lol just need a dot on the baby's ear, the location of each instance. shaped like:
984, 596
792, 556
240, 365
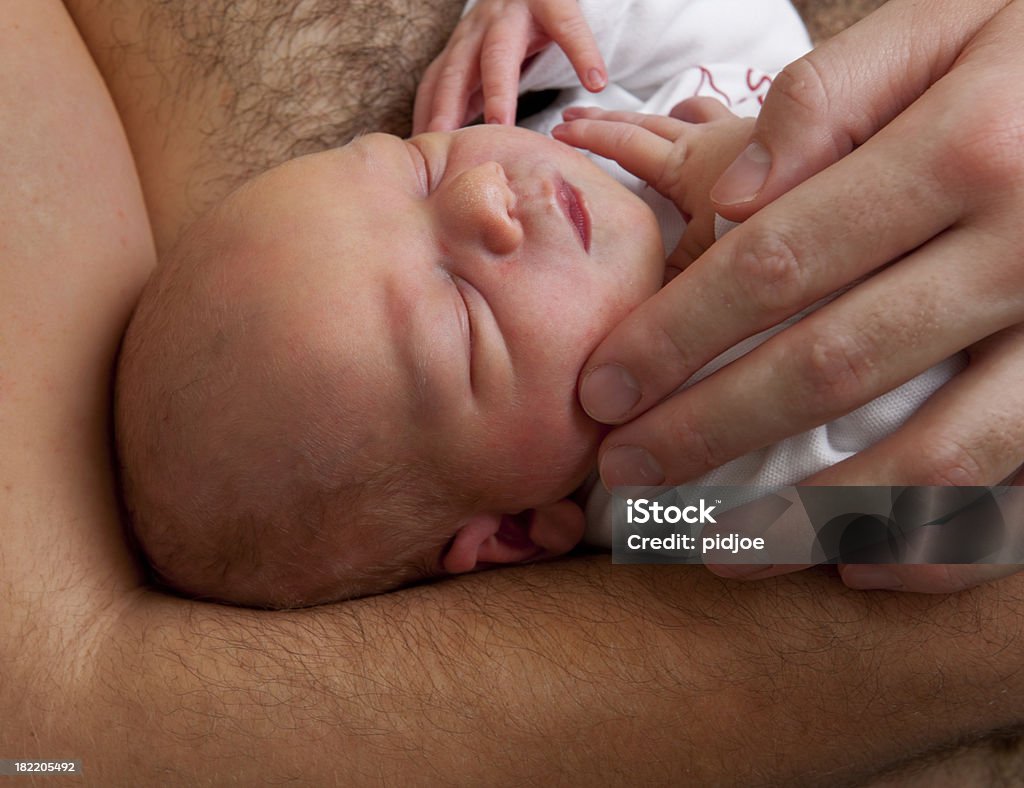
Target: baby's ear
535, 534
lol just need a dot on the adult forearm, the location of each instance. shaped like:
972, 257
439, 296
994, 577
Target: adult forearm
569, 671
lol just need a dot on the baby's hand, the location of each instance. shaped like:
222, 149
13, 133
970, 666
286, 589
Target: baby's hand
681, 159
479, 68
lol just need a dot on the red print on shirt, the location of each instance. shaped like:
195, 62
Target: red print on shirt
758, 84
764, 82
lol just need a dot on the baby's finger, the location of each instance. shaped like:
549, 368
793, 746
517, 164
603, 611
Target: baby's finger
458, 75
636, 149
423, 106
700, 109
563, 21
663, 126
501, 58
474, 107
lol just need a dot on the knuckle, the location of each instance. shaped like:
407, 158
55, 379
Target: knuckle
450, 85
770, 272
499, 53
987, 150
949, 461
617, 136
569, 23
451, 72
673, 350
697, 109
801, 88
692, 450
836, 369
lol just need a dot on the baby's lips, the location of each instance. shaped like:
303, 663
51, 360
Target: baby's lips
574, 206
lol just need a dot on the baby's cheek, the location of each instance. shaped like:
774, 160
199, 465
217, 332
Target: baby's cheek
553, 434
621, 298
560, 459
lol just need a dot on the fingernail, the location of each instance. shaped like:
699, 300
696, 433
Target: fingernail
866, 578
596, 79
608, 392
630, 465
745, 178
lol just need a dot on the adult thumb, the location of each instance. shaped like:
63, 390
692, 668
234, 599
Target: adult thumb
828, 102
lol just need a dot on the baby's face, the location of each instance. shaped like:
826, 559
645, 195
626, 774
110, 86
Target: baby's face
455, 283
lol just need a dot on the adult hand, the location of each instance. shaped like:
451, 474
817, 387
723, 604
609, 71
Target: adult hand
913, 173
479, 68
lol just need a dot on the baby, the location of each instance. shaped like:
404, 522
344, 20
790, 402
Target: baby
360, 369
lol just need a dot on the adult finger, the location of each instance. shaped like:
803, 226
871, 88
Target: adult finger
968, 434
563, 21
815, 113
820, 368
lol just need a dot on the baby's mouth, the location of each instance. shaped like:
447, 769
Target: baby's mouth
575, 209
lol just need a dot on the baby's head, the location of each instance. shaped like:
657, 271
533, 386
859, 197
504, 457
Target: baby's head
360, 369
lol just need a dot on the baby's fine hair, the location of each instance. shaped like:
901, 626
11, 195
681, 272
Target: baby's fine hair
240, 478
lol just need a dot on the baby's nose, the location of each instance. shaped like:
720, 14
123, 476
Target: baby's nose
483, 205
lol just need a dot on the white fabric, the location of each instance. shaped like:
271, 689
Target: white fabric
659, 52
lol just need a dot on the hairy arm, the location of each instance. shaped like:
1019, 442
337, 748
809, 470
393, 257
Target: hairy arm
573, 672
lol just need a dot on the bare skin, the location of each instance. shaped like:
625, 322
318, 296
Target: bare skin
575, 673
213, 93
